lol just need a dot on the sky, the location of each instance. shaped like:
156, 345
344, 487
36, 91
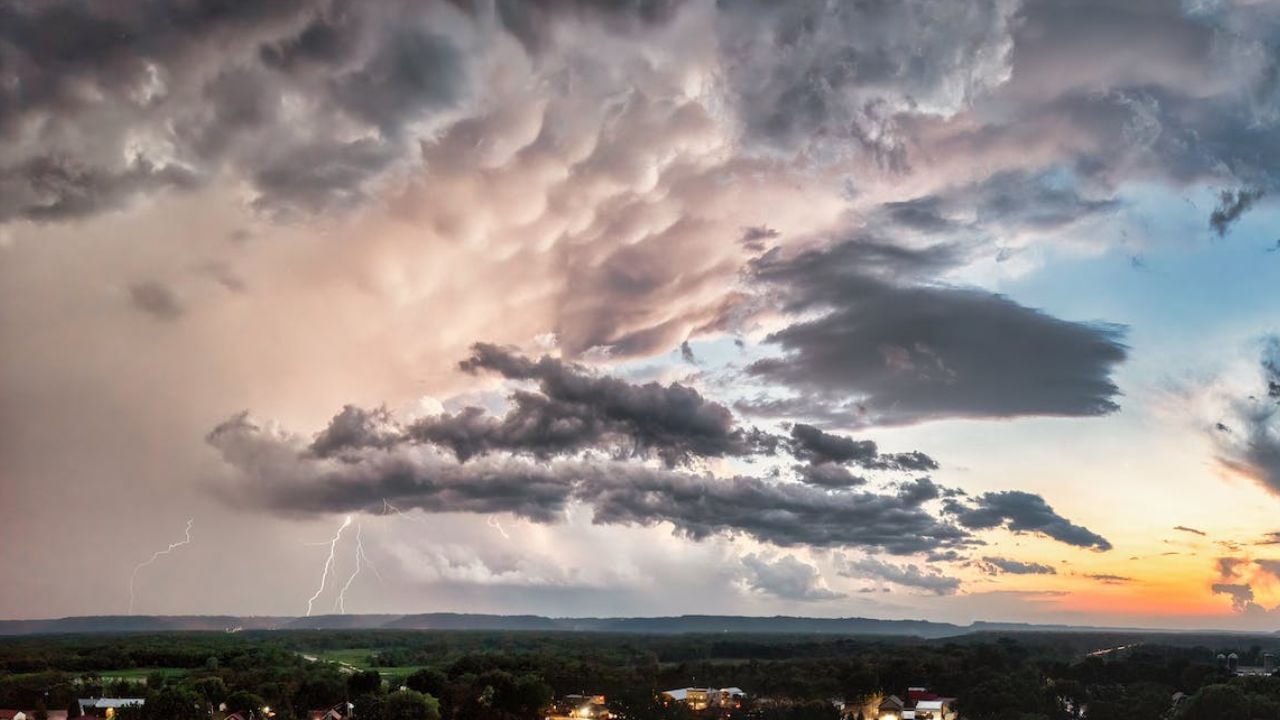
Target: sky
912, 309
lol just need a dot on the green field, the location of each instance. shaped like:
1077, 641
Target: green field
358, 658
355, 657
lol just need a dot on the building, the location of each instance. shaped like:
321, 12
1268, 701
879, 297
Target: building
580, 707
890, 708
730, 698
920, 704
333, 713
107, 707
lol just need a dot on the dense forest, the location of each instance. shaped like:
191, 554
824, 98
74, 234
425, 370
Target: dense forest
401, 675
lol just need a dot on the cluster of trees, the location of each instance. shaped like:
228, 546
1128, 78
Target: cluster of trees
514, 676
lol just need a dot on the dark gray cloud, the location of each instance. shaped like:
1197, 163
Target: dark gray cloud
1023, 512
573, 410
785, 514
354, 428
1241, 595
787, 578
1010, 199
577, 409
156, 299
894, 347
1185, 529
472, 462
818, 446
1232, 205
828, 475
686, 353
282, 474
905, 575
997, 565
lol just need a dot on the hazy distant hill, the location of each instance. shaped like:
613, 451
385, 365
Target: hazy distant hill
463, 621
139, 623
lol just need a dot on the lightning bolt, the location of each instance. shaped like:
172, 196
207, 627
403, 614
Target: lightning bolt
133, 578
361, 560
328, 563
493, 523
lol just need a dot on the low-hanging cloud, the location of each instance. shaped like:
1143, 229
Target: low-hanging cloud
786, 577
905, 575
997, 565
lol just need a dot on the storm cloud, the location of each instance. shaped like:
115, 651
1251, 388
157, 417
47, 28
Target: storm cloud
1023, 512
817, 446
278, 472
174, 95
364, 459
893, 346
577, 409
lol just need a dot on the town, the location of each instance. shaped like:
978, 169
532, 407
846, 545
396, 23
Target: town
479, 675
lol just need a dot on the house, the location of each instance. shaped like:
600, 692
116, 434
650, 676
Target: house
919, 705
333, 713
890, 708
107, 707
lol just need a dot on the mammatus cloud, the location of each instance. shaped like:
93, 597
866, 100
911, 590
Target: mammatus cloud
997, 565
909, 575
787, 578
1248, 440
311, 103
1023, 512
811, 74
891, 345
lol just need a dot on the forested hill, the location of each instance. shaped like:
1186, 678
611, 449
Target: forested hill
462, 621
465, 621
